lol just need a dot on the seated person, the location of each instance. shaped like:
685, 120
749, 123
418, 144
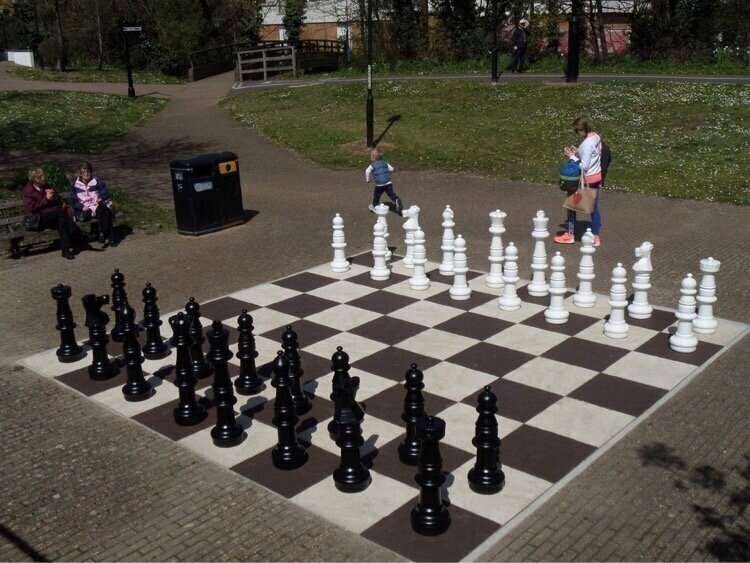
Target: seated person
89, 197
39, 199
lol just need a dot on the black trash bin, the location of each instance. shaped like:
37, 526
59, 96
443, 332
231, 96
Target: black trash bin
207, 193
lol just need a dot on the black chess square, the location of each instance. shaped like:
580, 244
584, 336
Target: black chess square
575, 323
473, 325
393, 363
659, 346
303, 305
618, 394
225, 308
476, 299
488, 358
382, 302
306, 281
517, 401
585, 354
388, 330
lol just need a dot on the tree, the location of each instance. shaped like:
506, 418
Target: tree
60, 39
294, 18
404, 30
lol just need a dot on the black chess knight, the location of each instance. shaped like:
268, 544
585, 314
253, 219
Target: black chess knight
227, 432
201, 368
350, 476
101, 367
155, 347
248, 382
69, 350
487, 477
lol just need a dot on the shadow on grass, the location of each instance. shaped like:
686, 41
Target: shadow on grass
391, 120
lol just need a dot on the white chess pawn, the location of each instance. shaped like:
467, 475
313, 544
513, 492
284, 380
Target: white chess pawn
419, 279
683, 340
447, 246
509, 300
494, 278
538, 285
340, 264
585, 296
410, 226
640, 307
460, 290
704, 322
380, 271
381, 210
556, 313
616, 327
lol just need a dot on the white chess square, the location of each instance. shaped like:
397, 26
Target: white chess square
399, 268
426, 313
437, 343
637, 336
47, 364
259, 438
598, 311
357, 347
325, 270
266, 319
152, 366
114, 399
726, 331
460, 420
266, 349
550, 375
342, 291
455, 382
527, 339
343, 317
264, 295
581, 421
650, 370
369, 384
492, 309
478, 284
403, 288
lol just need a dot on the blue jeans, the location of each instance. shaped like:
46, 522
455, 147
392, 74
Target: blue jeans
387, 188
596, 216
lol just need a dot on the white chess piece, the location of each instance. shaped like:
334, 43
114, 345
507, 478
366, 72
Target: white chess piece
494, 279
380, 271
585, 296
556, 313
616, 326
381, 210
683, 340
509, 300
704, 322
640, 307
340, 264
446, 266
460, 290
419, 279
410, 226
538, 285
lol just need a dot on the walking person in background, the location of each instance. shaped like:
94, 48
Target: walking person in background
519, 40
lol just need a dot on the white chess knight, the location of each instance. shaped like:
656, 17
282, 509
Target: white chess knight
616, 326
538, 285
410, 226
640, 307
683, 340
340, 264
585, 296
380, 271
556, 313
704, 322
494, 279
419, 279
460, 290
509, 300
381, 210
447, 244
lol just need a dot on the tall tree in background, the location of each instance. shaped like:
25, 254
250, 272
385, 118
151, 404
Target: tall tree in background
294, 18
404, 38
100, 42
250, 20
60, 39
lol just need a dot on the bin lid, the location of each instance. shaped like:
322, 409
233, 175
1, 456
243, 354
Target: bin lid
203, 160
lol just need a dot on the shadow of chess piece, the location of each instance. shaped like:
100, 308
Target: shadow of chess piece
119, 298
155, 347
408, 449
101, 367
201, 368
188, 410
340, 367
69, 350
290, 345
487, 477
227, 432
288, 452
137, 388
350, 476
248, 382
430, 517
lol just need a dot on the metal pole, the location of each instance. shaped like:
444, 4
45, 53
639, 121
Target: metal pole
131, 89
495, 74
370, 110
574, 43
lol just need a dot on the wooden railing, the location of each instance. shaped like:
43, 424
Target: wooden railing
254, 63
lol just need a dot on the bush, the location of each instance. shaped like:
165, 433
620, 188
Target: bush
18, 178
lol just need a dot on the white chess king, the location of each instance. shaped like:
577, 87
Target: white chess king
538, 285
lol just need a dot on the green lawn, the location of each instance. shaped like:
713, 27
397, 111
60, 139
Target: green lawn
72, 122
94, 75
675, 140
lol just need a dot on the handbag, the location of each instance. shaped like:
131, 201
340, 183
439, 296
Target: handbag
31, 222
583, 199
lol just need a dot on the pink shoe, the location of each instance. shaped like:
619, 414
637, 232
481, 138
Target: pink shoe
597, 240
565, 238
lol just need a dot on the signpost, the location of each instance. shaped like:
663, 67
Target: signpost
494, 39
370, 110
126, 31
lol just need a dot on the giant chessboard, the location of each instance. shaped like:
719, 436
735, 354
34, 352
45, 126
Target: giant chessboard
565, 391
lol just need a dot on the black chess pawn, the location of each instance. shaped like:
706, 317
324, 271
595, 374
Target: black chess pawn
119, 298
227, 432
188, 410
155, 348
248, 382
350, 476
201, 368
408, 449
137, 388
430, 517
340, 366
288, 452
487, 477
69, 350
101, 367
290, 345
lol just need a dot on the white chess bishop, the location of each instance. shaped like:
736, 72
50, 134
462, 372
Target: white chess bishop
585, 296
419, 279
704, 322
509, 300
410, 227
340, 264
640, 307
616, 326
381, 210
460, 290
683, 340
494, 279
380, 270
538, 285
447, 244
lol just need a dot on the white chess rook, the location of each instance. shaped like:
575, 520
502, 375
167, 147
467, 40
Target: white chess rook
585, 296
616, 326
683, 340
640, 307
704, 322
538, 286
494, 279
380, 271
447, 247
410, 226
556, 313
340, 264
460, 290
381, 210
419, 279
509, 300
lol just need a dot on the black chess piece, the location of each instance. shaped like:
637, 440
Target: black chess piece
137, 388
288, 452
201, 368
248, 382
408, 449
430, 517
119, 298
101, 367
155, 348
188, 411
340, 366
227, 432
69, 350
487, 477
290, 345
350, 476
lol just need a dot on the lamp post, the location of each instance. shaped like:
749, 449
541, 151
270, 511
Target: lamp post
126, 31
370, 126
495, 74
574, 43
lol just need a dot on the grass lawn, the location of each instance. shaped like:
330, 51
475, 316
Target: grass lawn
674, 140
94, 75
74, 122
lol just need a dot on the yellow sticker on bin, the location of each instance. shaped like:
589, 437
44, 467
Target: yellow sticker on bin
228, 167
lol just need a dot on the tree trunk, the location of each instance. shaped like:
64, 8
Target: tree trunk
601, 30
594, 31
100, 63
60, 39
424, 17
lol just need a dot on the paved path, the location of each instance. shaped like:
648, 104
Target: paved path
295, 200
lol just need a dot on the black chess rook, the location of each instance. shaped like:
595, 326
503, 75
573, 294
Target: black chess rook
155, 347
341, 377
188, 410
290, 345
227, 432
350, 476
288, 452
430, 517
119, 298
101, 367
136, 388
69, 350
201, 368
408, 449
248, 382
487, 477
